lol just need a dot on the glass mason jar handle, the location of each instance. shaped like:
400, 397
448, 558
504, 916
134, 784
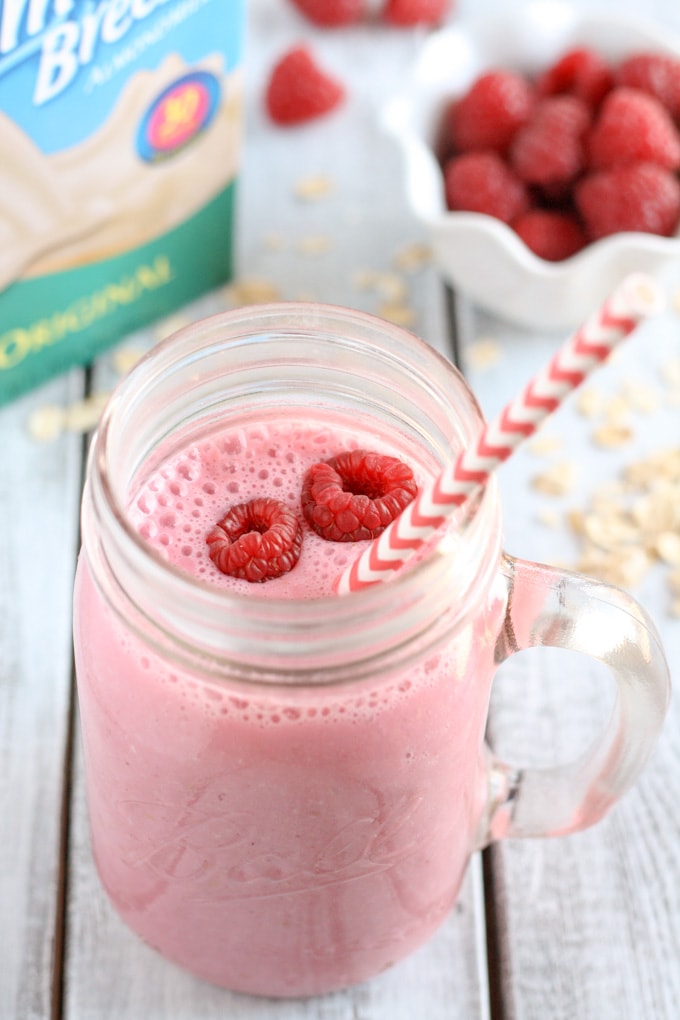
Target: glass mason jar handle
551, 607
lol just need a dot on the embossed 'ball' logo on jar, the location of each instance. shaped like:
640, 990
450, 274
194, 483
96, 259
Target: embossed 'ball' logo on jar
178, 116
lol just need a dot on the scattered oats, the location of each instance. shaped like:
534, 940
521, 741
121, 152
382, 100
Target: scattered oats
576, 519
612, 489
400, 315
640, 397
392, 288
311, 189
251, 291
589, 402
544, 444
670, 372
556, 480
659, 510
125, 358
615, 408
365, 279
314, 244
612, 435
608, 532
412, 257
664, 464
633, 523
305, 295
596, 563
675, 608
639, 474
606, 500
46, 423
169, 325
667, 546
625, 568
631, 565
483, 353
83, 415
274, 241
548, 517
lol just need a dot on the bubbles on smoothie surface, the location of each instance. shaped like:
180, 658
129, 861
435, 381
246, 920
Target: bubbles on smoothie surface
178, 505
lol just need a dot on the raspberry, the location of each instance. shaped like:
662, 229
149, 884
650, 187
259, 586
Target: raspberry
550, 149
415, 12
638, 196
655, 73
550, 235
300, 90
482, 182
355, 495
256, 541
581, 72
491, 112
331, 13
633, 127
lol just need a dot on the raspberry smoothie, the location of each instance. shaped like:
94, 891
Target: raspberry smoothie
278, 840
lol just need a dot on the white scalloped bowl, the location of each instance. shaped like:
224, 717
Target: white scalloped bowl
481, 256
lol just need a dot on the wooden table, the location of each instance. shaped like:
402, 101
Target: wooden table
583, 927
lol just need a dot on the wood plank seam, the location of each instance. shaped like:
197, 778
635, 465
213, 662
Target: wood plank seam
60, 941
492, 920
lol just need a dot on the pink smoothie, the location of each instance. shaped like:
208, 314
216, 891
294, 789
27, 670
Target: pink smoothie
287, 841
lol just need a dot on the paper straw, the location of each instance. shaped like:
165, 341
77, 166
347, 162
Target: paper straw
637, 297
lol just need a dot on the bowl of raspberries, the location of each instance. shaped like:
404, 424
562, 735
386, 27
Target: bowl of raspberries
542, 153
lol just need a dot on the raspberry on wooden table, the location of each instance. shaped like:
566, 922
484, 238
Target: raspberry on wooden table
256, 541
655, 73
482, 182
580, 72
550, 148
300, 90
415, 12
331, 13
631, 127
638, 196
356, 495
491, 112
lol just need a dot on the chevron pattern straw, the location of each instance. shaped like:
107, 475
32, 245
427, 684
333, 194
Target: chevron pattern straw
635, 299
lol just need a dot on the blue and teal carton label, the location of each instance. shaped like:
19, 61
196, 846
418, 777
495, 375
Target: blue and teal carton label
120, 134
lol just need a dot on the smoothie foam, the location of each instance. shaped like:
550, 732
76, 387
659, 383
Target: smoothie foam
179, 504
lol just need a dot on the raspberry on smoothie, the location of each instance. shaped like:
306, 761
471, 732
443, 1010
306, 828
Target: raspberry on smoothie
274, 502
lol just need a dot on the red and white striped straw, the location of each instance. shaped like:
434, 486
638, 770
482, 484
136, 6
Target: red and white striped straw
637, 297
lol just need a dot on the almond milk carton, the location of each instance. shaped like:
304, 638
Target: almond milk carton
120, 128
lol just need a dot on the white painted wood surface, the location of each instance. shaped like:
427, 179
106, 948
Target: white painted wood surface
586, 926
39, 497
